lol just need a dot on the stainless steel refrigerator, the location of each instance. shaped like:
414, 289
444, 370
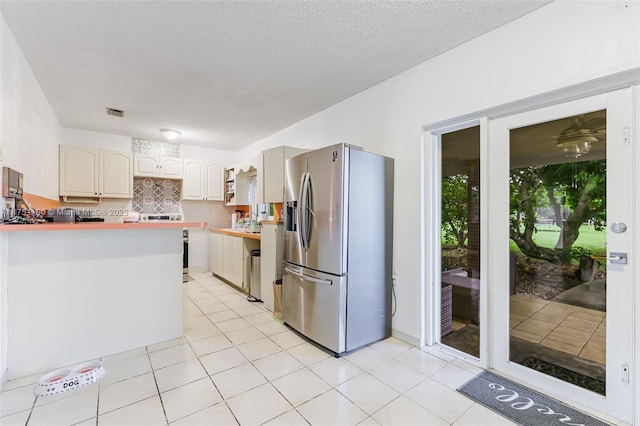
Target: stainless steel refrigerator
338, 209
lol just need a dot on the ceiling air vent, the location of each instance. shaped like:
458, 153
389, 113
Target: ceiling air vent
115, 112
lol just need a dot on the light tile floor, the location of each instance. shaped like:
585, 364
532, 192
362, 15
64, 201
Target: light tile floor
236, 365
571, 329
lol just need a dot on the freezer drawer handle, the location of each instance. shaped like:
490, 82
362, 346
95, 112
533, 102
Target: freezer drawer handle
307, 277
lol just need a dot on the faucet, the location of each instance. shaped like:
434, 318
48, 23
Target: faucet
251, 222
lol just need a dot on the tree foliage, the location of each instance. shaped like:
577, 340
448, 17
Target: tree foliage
455, 209
574, 191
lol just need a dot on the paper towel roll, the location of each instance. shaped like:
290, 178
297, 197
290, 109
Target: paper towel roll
234, 219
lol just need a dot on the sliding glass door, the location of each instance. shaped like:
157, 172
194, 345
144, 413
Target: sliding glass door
561, 207
459, 236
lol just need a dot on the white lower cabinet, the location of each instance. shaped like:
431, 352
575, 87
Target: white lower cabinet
220, 248
229, 258
237, 261
216, 253
271, 246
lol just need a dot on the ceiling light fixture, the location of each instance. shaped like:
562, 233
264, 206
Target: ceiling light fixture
170, 134
576, 140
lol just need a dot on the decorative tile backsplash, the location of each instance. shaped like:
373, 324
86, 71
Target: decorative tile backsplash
166, 149
155, 195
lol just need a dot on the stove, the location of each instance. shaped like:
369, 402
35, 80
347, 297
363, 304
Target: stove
165, 217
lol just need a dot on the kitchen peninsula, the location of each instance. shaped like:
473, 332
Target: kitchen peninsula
80, 291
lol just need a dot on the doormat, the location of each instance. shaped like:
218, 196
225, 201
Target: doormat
522, 405
570, 376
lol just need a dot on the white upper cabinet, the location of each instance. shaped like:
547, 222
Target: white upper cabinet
157, 166
171, 167
78, 171
92, 172
202, 181
115, 174
213, 181
146, 165
273, 161
193, 182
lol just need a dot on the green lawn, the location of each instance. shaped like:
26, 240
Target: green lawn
547, 236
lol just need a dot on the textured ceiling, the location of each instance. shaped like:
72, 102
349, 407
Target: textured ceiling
229, 73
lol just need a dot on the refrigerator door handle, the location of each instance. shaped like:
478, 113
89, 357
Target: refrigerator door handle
307, 277
302, 212
309, 214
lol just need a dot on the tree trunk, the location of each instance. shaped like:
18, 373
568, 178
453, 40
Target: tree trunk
531, 249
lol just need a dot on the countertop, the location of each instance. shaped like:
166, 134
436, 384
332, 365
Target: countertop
86, 226
236, 233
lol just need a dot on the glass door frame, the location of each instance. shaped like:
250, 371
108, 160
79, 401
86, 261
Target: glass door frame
429, 172
432, 237
619, 399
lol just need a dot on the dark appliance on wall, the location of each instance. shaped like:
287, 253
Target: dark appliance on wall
337, 246
12, 183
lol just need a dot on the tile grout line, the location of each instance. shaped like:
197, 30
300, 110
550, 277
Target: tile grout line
307, 367
202, 365
98, 401
33, 406
304, 367
590, 336
253, 365
155, 380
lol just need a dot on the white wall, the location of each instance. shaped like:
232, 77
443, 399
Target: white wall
561, 44
199, 153
29, 138
217, 215
29, 131
91, 139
